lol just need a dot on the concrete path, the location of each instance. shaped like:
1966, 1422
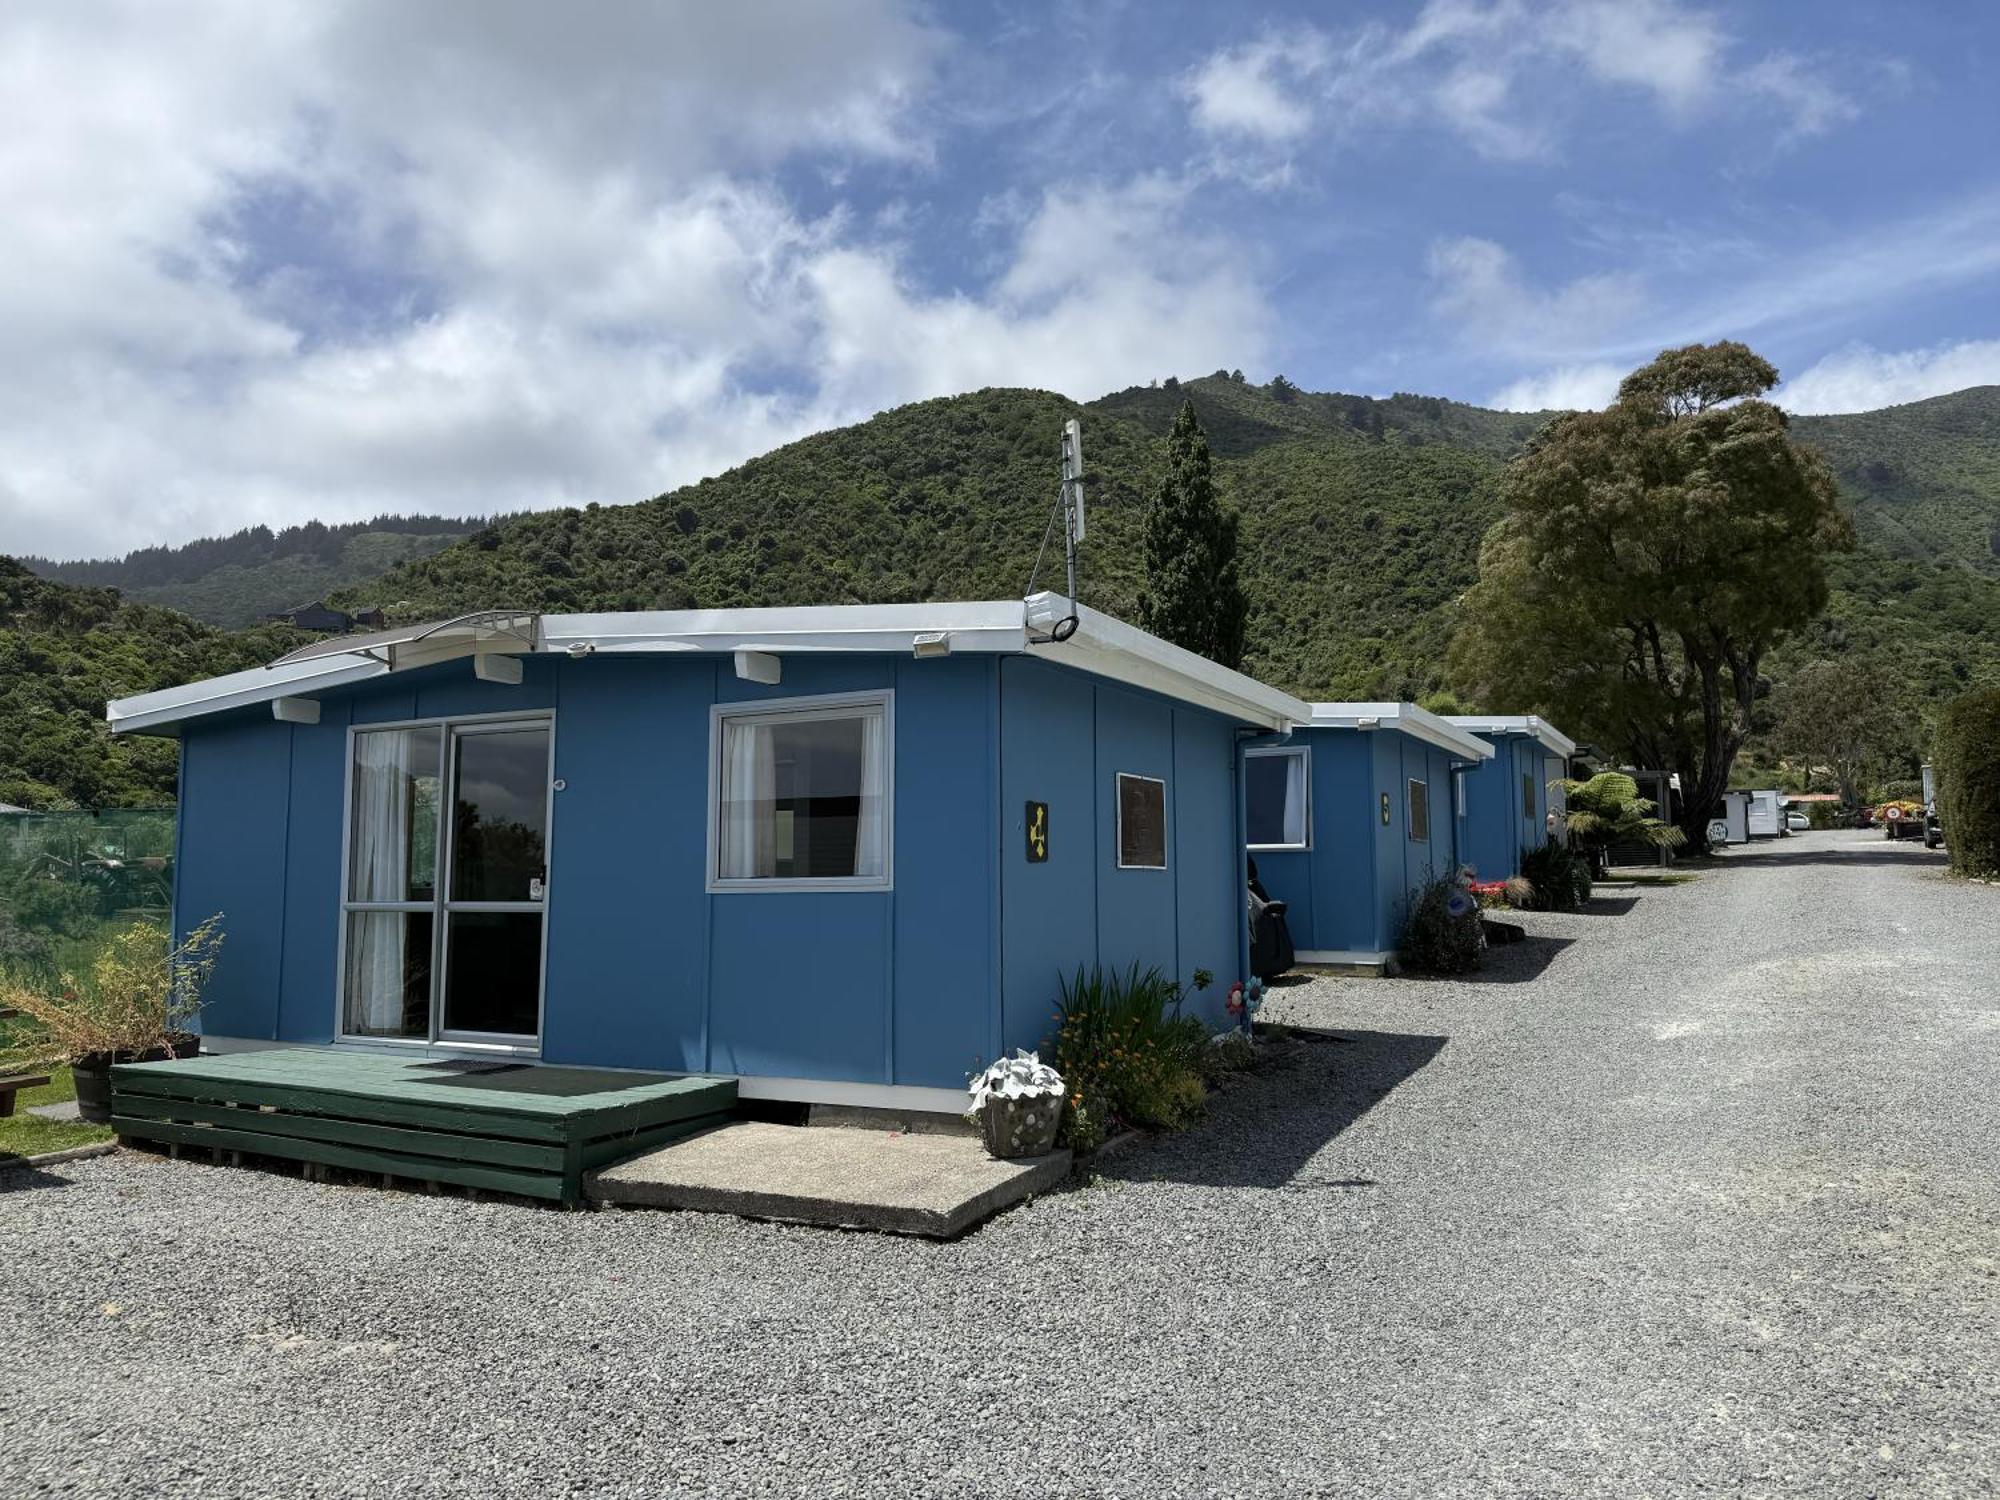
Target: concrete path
1695, 1194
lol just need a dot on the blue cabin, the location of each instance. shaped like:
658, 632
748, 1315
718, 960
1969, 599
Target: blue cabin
1349, 815
839, 854
1513, 802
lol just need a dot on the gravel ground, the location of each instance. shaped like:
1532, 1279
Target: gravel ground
1693, 1194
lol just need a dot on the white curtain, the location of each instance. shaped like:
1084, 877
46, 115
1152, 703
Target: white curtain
870, 847
749, 801
1295, 799
384, 760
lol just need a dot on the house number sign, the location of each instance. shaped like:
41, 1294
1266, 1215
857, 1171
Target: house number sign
1038, 833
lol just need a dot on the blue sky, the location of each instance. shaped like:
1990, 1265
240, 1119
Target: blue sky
270, 263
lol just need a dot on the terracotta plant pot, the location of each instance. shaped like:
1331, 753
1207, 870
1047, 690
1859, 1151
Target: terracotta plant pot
1016, 1128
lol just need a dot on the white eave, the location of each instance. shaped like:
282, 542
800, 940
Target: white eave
1532, 725
1406, 718
1101, 645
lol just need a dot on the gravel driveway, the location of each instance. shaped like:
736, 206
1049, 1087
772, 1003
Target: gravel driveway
1696, 1193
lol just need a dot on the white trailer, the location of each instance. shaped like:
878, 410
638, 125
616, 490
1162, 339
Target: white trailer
1734, 816
1766, 819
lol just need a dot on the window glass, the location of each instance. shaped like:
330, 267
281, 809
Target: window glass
388, 987
393, 843
1420, 812
802, 796
501, 809
1275, 798
1528, 795
1142, 823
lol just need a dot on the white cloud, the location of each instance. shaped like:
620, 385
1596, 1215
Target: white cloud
1254, 90
1812, 104
1478, 288
1860, 378
1586, 387
1502, 75
270, 263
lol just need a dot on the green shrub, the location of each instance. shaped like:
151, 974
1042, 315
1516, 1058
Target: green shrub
1126, 1053
1442, 934
1967, 761
1559, 875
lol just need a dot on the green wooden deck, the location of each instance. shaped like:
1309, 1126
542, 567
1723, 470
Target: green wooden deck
509, 1127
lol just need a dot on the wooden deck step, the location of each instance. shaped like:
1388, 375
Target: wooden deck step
524, 1128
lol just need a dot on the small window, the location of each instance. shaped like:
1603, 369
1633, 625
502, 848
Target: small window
1276, 797
1420, 812
1528, 795
801, 795
1142, 823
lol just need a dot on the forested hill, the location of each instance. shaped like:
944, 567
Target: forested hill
239, 579
1361, 528
1361, 525
64, 651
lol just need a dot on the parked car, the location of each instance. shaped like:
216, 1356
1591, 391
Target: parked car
1797, 822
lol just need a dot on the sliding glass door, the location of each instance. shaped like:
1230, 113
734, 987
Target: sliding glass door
446, 882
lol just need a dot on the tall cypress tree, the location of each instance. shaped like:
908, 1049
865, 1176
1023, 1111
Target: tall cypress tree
1192, 596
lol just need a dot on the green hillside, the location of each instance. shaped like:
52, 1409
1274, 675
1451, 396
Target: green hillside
64, 650
238, 580
1361, 527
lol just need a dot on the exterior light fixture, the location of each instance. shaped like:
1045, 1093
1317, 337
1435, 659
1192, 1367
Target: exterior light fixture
931, 643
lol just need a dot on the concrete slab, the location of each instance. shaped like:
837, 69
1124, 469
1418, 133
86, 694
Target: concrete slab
938, 1186
65, 1110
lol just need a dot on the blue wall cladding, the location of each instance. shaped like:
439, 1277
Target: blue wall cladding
1507, 803
916, 985
1349, 893
1064, 739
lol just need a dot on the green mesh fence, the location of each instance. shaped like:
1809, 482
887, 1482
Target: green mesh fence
70, 879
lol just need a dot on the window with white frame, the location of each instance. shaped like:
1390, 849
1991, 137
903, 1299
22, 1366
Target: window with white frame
1142, 822
800, 794
1277, 797
1420, 812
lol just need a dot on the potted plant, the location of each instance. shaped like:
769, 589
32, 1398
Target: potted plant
137, 1004
1019, 1105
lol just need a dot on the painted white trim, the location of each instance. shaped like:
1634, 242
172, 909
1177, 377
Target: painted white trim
1304, 751
1405, 718
816, 706
1341, 956
222, 1046
1531, 725
1111, 648
1118, 807
865, 1095
1100, 644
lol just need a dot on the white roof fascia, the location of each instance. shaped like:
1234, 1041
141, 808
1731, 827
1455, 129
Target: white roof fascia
1108, 647
216, 695
1407, 718
1101, 645
1534, 725
989, 626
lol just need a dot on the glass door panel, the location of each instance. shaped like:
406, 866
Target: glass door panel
501, 797
493, 965
393, 831
498, 874
388, 989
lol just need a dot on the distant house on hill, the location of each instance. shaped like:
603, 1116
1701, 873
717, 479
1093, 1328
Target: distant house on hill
319, 615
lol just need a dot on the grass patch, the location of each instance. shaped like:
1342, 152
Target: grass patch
23, 1134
